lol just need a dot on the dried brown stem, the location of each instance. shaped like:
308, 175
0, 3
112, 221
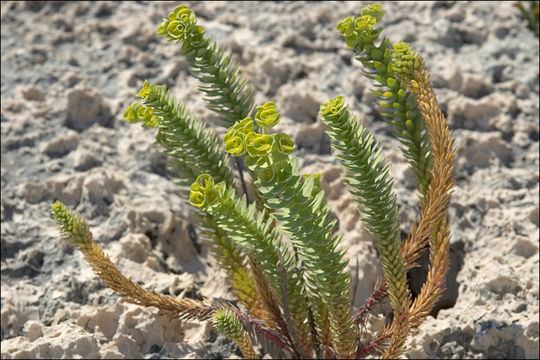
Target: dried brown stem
135, 294
432, 215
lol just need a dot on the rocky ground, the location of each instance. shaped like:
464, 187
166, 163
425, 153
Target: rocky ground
70, 69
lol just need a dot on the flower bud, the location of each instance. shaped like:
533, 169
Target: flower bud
248, 139
234, 145
196, 199
242, 127
374, 10
364, 23
283, 143
263, 143
179, 24
345, 26
203, 183
145, 91
260, 145
332, 107
267, 116
143, 112
211, 196
246, 125
129, 114
137, 113
162, 28
182, 13
177, 30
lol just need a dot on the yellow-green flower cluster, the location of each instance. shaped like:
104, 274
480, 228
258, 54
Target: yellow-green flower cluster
235, 140
179, 25
261, 149
204, 192
148, 88
358, 31
267, 116
137, 113
374, 10
265, 153
332, 107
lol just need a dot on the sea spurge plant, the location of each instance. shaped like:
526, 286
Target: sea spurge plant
291, 281
367, 179
193, 149
258, 237
227, 93
304, 219
397, 104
